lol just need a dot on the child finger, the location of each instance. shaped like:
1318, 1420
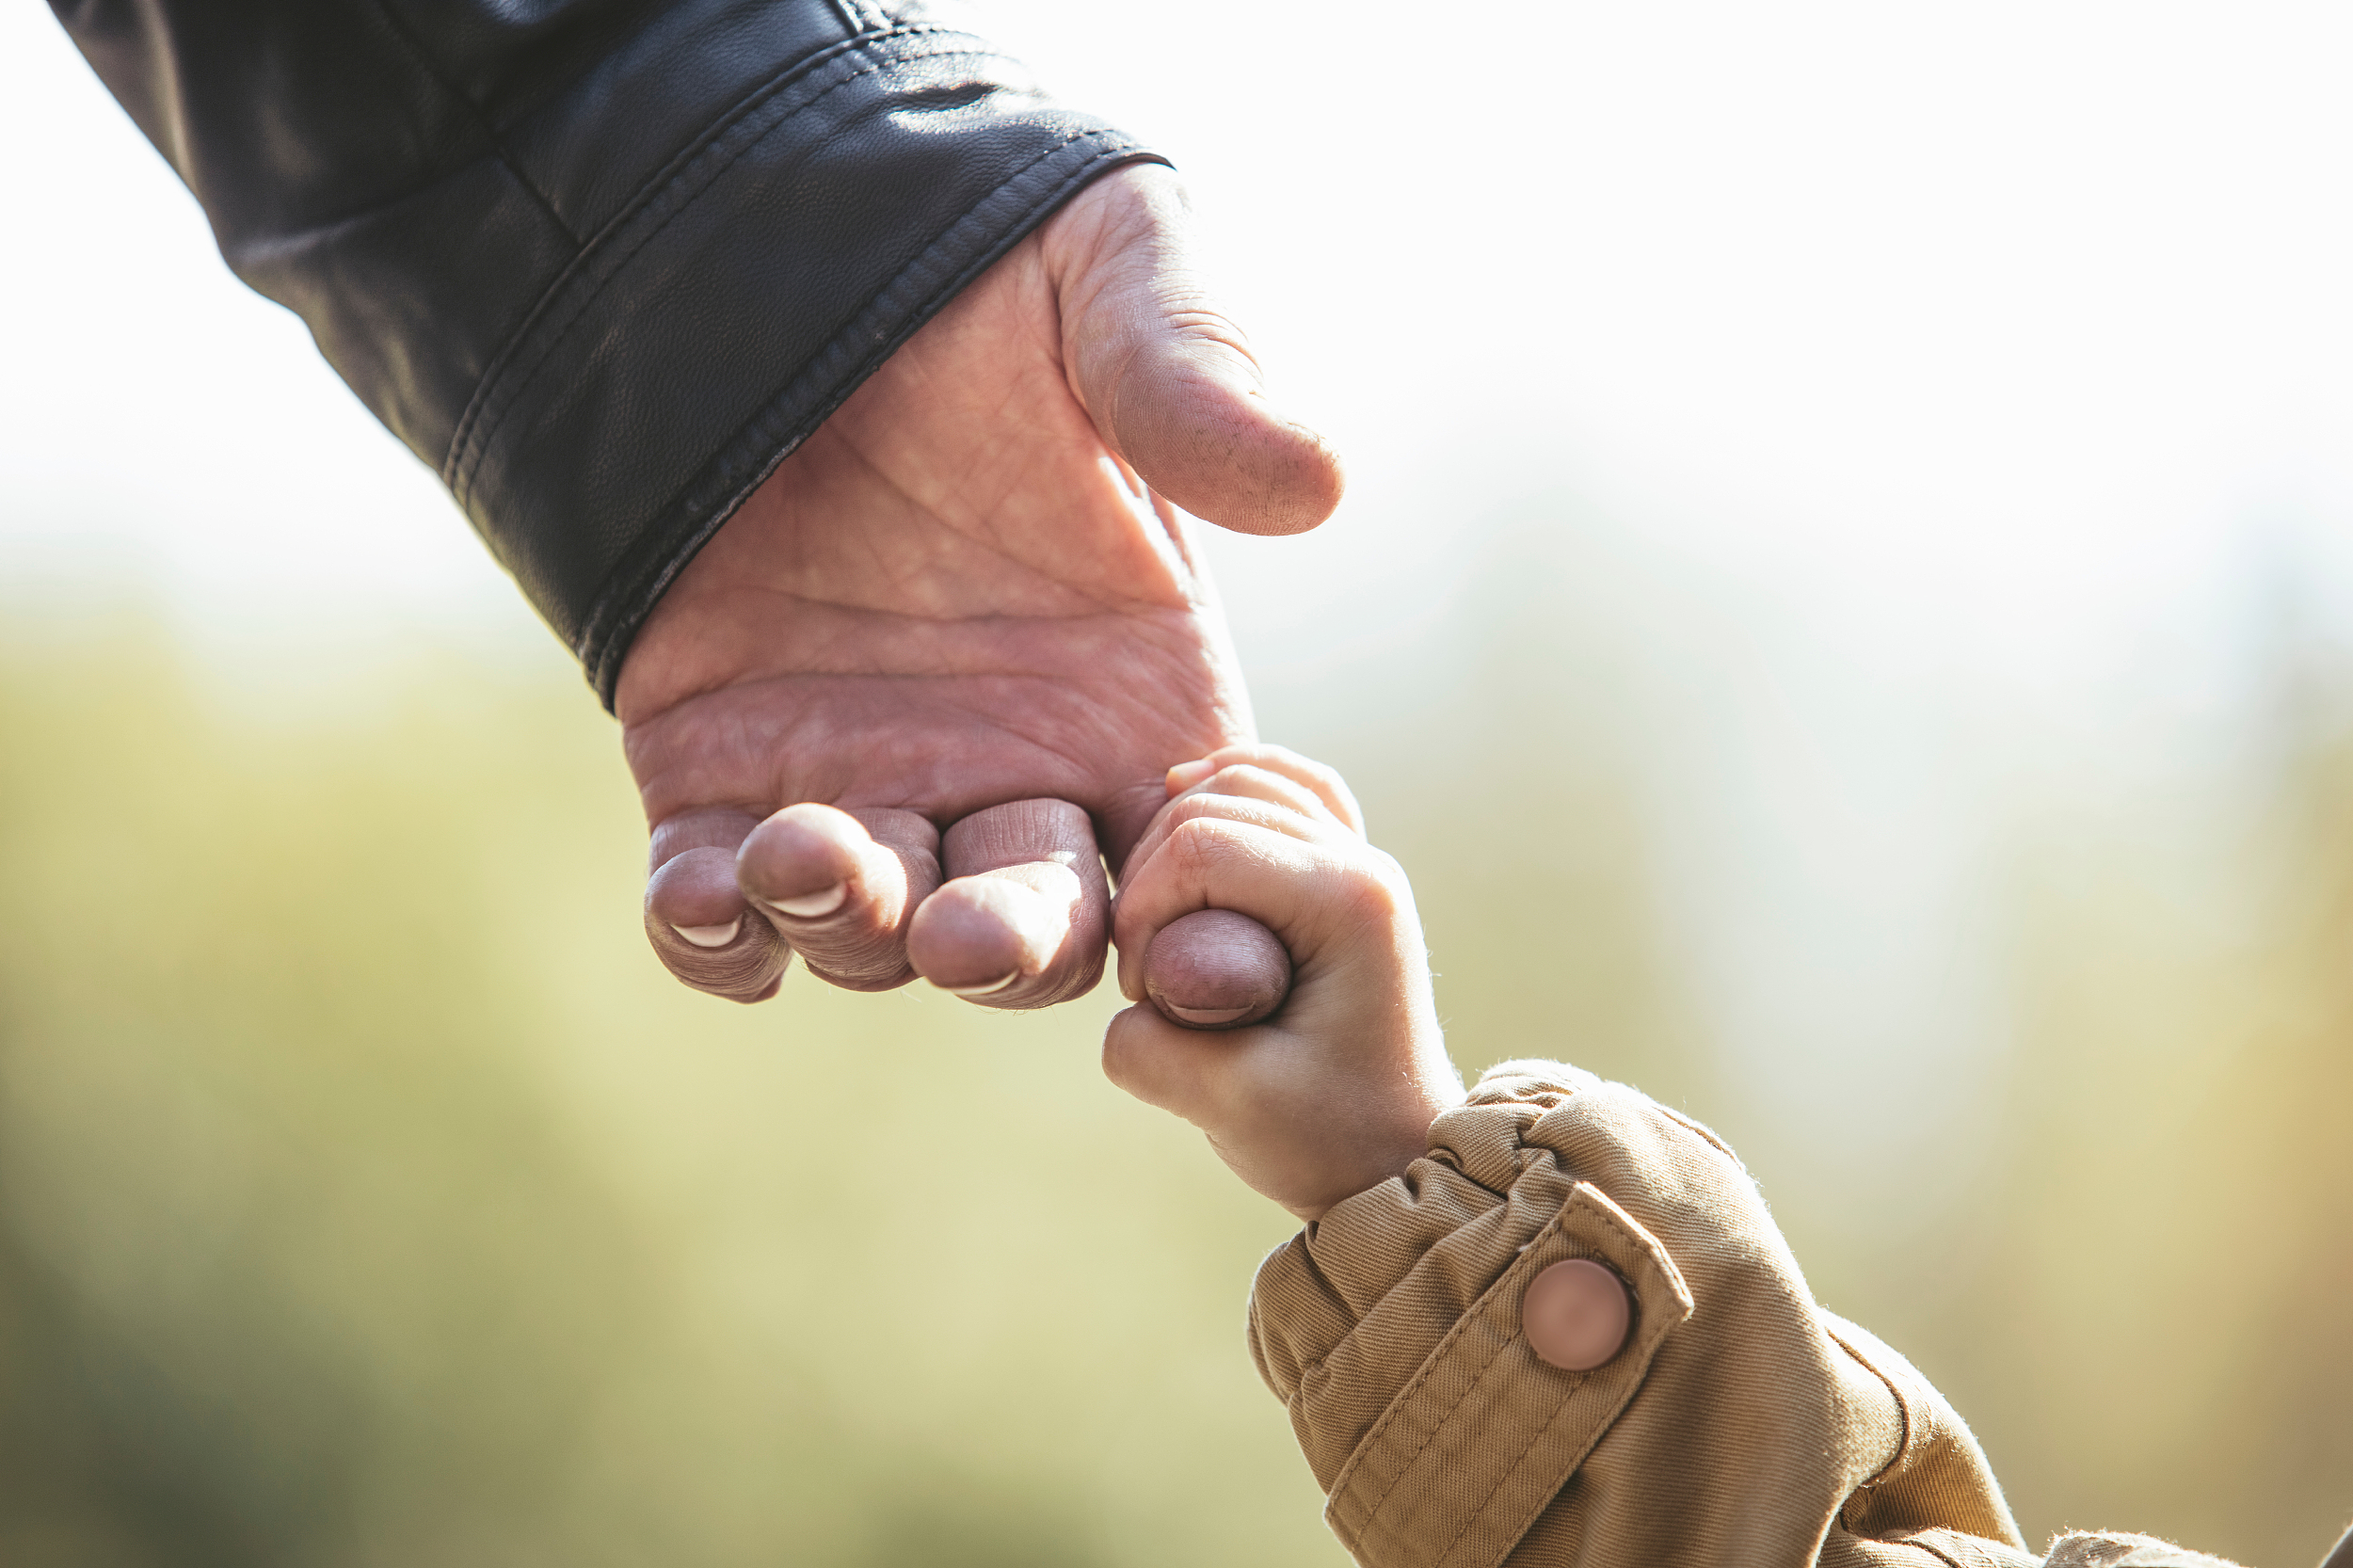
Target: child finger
1184, 808
1254, 782
1328, 787
1175, 1071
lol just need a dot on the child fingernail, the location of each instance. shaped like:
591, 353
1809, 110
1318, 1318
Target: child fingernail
810, 906
711, 936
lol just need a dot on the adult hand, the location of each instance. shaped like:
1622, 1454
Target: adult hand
895, 713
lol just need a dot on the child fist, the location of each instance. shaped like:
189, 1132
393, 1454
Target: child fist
1334, 1092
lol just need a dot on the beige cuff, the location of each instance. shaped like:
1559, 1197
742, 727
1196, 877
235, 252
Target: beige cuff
1736, 1422
1478, 1444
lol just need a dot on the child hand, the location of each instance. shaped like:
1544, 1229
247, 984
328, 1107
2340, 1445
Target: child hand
1334, 1093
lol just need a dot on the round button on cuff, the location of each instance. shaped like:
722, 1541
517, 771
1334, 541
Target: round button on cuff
1576, 1315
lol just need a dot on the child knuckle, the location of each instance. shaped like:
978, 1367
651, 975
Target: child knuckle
1198, 838
1235, 777
1190, 808
1368, 893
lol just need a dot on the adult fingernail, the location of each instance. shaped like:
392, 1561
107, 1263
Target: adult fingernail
810, 906
711, 936
1205, 1017
990, 989
1184, 776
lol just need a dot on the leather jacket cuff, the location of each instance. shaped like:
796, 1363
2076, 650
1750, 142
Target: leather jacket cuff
746, 291
604, 264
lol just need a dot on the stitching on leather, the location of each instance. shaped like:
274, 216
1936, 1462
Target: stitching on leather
519, 379
592, 647
453, 462
652, 583
473, 111
503, 382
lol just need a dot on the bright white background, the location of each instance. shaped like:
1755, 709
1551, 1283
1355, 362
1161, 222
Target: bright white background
1961, 395
164, 428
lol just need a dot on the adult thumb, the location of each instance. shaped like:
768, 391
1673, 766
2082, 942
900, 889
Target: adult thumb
1167, 377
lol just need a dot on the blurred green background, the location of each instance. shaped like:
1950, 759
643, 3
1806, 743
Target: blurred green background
1845, 606
368, 1195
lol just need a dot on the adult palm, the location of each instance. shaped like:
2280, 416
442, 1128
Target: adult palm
894, 712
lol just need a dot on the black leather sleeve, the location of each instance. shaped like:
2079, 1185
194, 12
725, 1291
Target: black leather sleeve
601, 263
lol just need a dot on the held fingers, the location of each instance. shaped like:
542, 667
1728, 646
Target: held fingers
1306, 893
1218, 968
1215, 970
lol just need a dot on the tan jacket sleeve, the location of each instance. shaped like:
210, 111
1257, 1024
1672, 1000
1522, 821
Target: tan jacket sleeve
1740, 1423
